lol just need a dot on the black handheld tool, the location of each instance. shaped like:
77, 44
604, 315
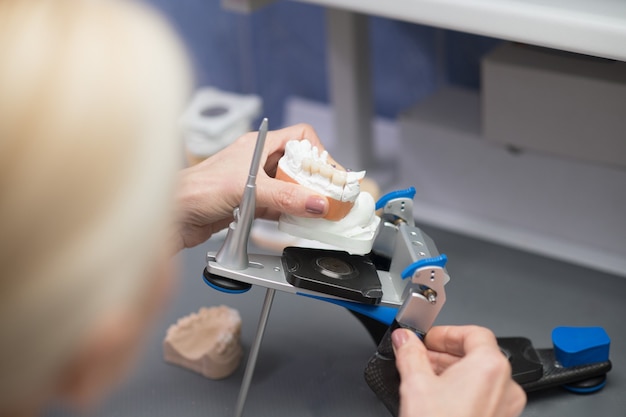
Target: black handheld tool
425, 299
382, 375
578, 360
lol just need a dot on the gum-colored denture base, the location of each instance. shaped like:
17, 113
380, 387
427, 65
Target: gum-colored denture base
337, 209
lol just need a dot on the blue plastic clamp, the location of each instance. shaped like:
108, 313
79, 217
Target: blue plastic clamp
580, 345
408, 193
438, 261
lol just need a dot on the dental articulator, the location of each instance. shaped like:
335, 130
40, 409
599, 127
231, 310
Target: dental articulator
388, 273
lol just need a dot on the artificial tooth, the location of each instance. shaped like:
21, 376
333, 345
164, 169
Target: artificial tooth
354, 176
315, 167
339, 178
326, 171
306, 164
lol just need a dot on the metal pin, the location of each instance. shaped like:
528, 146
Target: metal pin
431, 295
254, 352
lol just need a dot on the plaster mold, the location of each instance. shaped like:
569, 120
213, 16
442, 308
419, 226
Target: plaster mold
306, 165
206, 342
351, 223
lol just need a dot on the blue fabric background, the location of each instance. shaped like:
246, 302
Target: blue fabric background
280, 51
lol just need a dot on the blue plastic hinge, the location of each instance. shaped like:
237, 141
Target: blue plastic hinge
382, 314
408, 193
438, 261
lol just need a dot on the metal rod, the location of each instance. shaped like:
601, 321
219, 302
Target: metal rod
234, 251
258, 151
254, 352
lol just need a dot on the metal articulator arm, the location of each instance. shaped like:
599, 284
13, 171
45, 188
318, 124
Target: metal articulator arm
423, 299
403, 286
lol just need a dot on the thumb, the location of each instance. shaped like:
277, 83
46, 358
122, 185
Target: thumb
290, 198
411, 354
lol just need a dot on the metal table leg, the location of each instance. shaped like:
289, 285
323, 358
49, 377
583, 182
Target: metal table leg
350, 87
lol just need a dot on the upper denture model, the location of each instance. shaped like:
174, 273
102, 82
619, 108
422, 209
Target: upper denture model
350, 223
304, 164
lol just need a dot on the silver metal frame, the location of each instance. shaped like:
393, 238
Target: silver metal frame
419, 299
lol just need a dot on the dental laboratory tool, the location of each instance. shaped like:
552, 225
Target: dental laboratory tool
386, 271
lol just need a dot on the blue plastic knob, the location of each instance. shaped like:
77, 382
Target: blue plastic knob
580, 345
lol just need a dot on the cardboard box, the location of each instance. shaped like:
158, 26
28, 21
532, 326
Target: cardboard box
556, 102
554, 206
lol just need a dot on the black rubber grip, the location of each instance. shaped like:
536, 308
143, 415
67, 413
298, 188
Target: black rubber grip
381, 374
534, 369
224, 284
554, 375
537, 369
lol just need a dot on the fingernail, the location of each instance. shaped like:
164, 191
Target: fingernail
399, 337
316, 205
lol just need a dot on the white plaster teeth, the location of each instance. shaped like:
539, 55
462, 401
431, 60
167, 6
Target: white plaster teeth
339, 178
315, 166
310, 166
326, 171
354, 176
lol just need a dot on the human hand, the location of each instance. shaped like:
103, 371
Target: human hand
210, 191
459, 371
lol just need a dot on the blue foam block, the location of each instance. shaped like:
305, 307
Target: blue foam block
580, 345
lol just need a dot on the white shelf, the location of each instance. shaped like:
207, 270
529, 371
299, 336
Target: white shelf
592, 27
530, 201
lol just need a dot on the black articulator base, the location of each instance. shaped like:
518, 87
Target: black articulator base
537, 369
337, 273
375, 328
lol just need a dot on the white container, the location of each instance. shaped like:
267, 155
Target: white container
214, 119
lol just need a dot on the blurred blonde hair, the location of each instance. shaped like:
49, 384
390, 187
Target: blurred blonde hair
89, 94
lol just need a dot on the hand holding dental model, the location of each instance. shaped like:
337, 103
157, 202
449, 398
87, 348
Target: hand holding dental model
350, 222
308, 165
211, 190
309, 185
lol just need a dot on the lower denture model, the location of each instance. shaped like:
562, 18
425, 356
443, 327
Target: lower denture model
206, 342
350, 223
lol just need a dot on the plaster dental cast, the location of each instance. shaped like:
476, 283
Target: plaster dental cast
206, 342
350, 222
92, 205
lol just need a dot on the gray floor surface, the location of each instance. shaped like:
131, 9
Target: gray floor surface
313, 354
